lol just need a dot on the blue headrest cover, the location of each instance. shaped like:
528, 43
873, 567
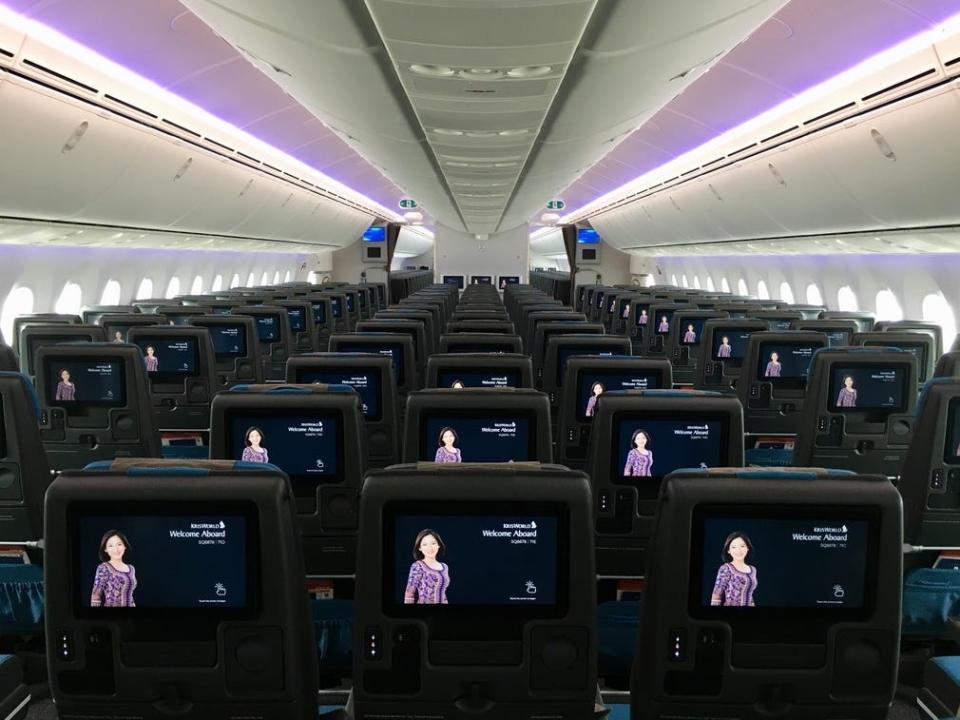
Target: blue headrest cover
289, 389
664, 393
177, 470
768, 473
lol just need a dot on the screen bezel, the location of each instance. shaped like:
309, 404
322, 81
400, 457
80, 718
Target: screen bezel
717, 339
757, 616
303, 318
460, 612
792, 383
48, 363
249, 510
427, 415
297, 482
277, 323
228, 356
871, 412
638, 310
649, 488
170, 375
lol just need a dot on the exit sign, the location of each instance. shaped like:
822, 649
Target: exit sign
556, 205
408, 204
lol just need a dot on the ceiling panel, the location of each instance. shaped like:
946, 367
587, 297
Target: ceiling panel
805, 43
168, 44
481, 76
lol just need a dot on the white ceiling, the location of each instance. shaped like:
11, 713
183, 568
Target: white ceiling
481, 77
482, 109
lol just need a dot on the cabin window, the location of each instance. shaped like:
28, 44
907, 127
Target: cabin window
710, 286
847, 299
235, 282
937, 310
70, 300
217, 284
742, 288
276, 278
648, 281
673, 281
145, 290
724, 285
786, 292
19, 302
312, 277
111, 293
814, 297
696, 281
265, 278
251, 280
684, 282
286, 278
762, 291
173, 288
888, 307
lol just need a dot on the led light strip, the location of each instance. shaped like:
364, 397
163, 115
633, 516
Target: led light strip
127, 78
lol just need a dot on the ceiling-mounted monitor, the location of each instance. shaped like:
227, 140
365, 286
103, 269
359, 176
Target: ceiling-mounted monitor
375, 234
587, 236
373, 245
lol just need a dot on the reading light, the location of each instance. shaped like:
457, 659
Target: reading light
481, 74
431, 70
529, 71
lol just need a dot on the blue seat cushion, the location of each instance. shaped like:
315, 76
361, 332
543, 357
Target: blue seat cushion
21, 599
333, 630
617, 626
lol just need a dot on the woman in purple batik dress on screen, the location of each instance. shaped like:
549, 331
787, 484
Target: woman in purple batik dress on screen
596, 390
447, 450
252, 450
642, 320
664, 325
848, 394
639, 459
429, 578
736, 581
66, 390
773, 367
150, 360
115, 580
690, 336
724, 351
